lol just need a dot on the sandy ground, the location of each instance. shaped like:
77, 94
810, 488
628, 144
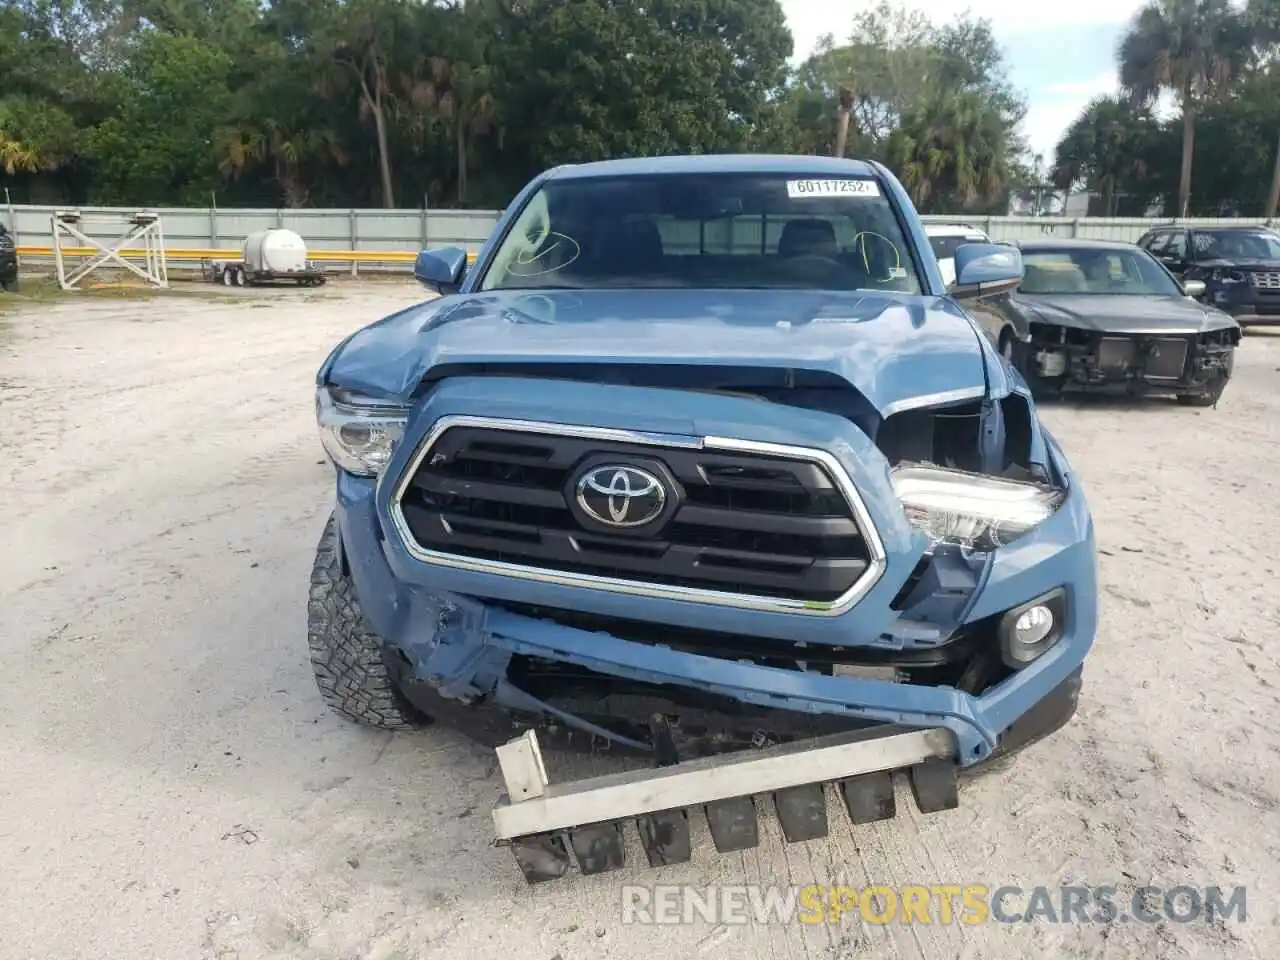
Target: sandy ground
171, 785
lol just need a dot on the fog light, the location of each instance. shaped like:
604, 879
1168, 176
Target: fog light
1026, 632
1033, 626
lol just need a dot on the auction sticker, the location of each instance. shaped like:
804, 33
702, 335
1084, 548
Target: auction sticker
832, 188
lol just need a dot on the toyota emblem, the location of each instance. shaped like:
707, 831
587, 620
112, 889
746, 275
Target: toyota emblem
619, 496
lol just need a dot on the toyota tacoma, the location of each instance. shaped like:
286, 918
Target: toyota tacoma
701, 460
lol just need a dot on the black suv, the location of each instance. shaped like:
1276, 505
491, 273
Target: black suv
1240, 266
8, 261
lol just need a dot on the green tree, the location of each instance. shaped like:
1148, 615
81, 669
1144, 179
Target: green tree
951, 151
161, 142
1191, 48
360, 40
1107, 150
360, 102
1264, 21
588, 79
931, 100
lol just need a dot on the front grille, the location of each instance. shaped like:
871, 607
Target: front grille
745, 523
1265, 281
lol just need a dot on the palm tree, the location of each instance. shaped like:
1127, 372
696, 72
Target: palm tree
243, 149
1190, 48
1264, 21
457, 93
1105, 147
951, 145
18, 157
844, 108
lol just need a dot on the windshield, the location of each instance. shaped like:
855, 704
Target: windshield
717, 231
1094, 271
1236, 245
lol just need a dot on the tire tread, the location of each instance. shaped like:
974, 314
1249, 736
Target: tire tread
346, 656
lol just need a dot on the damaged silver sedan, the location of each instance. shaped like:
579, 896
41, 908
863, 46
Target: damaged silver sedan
1106, 316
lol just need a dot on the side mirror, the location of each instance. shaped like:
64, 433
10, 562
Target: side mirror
441, 269
986, 270
1194, 289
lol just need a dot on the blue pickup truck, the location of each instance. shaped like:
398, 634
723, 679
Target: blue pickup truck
700, 459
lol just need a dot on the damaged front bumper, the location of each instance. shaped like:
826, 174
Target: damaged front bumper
1179, 363
601, 665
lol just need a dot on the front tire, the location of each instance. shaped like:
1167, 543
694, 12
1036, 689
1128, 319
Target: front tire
346, 655
1212, 392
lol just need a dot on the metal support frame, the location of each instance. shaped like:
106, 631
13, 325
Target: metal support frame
536, 806
142, 231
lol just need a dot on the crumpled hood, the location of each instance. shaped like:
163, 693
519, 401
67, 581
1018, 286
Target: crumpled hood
890, 348
1127, 314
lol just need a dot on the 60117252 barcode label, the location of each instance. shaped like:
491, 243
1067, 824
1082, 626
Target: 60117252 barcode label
798, 189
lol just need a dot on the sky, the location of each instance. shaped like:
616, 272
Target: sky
1061, 55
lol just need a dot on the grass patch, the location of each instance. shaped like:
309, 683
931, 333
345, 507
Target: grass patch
44, 289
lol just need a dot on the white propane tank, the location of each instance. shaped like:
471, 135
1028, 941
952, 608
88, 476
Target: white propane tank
276, 250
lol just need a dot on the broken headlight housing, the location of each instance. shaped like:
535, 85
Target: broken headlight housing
358, 433
972, 509
1227, 275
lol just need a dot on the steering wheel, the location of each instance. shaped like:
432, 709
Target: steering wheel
815, 259
860, 244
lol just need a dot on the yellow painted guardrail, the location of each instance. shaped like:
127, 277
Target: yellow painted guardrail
202, 253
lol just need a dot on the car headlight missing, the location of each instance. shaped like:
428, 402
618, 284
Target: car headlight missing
971, 509
358, 433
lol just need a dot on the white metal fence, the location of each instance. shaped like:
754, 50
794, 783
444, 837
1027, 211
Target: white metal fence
1091, 228
409, 230
393, 230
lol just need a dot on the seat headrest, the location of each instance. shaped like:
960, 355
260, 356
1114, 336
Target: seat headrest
1041, 279
808, 237
631, 245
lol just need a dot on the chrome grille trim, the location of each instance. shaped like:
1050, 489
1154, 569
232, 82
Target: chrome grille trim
877, 558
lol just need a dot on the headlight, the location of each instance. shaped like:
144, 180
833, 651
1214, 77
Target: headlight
1225, 275
971, 509
358, 433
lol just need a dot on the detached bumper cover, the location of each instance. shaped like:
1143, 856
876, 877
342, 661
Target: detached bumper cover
428, 615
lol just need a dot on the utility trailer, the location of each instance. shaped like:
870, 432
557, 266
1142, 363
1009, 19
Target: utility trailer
270, 256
